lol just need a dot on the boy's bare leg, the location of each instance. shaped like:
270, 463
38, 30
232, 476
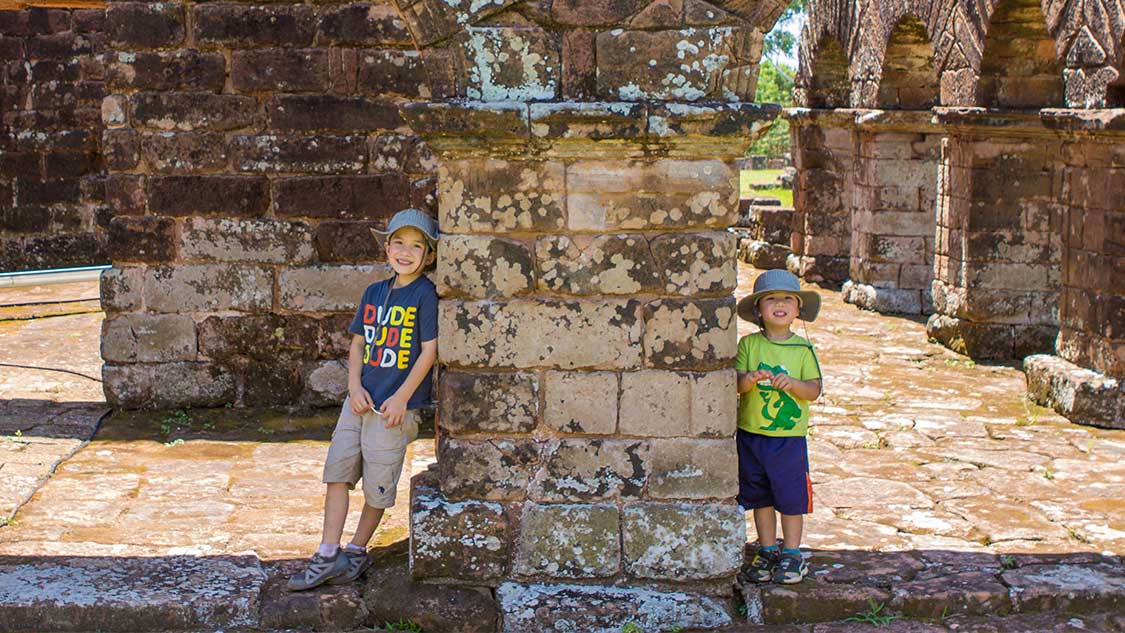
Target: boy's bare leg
368, 521
766, 526
792, 525
335, 513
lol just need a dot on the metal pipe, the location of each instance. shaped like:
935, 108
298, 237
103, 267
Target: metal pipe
51, 276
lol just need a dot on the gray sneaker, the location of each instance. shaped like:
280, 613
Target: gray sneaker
318, 571
358, 562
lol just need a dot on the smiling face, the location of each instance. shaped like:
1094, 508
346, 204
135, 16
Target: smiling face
779, 309
408, 253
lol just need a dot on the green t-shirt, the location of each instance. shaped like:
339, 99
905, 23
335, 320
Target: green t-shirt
764, 409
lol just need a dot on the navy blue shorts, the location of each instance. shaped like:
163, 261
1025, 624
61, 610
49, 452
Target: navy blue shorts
774, 472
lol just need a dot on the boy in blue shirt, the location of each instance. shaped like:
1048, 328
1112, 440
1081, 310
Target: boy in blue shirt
778, 375
393, 349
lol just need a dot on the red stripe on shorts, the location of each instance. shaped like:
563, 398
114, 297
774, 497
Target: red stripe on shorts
808, 486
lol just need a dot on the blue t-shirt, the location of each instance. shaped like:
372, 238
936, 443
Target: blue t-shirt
393, 329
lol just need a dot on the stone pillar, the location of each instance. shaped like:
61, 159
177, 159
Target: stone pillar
1086, 381
892, 237
996, 269
823, 146
587, 333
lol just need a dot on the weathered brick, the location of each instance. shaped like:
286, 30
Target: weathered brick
121, 289
655, 403
326, 383
596, 13
494, 470
145, 338
398, 152
394, 72
121, 149
580, 402
375, 197
697, 263
89, 20
171, 70
267, 383
45, 192
438, 548
579, 68
145, 24
263, 25
712, 536
198, 288
609, 264
243, 240
505, 121
575, 334
280, 69
337, 114
299, 154
324, 288
189, 385
568, 541
170, 152
491, 195
57, 46
690, 334
363, 24
481, 267
591, 470
692, 469
474, 402
714, 403
595, 121
434, 20
235, 196
346, 242
541, 607
144, 239
511, 64
263, 337
24, 219
188, 111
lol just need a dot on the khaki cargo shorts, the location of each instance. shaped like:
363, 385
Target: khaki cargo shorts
363, 448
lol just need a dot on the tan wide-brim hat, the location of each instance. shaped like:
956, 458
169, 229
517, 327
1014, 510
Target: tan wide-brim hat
779, 280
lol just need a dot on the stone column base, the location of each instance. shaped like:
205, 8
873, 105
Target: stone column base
763, 255
991, 340
820, 268
1082, 395
888, 300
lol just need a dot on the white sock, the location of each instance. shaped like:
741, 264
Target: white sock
352, 547
328, 550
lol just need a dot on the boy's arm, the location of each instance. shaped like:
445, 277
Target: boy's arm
358, 397
804, 389
394, 408
747, 379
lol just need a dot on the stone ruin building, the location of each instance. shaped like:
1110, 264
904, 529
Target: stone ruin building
956, 158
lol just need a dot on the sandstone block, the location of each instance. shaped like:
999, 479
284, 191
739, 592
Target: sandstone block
260, 241
433, 20
171, 153
280, 70
324, 288
346, 242
579, 68
483, 267
610, 264
134, 25
603, 196
144, 338
142, 239
473, 402
1082, 395
166, 70
399, 152
266, 383
568, 541
570, 334
714, 404
690, 334
336, 114
766, 256
708, 540
542, 608
199, 288
698, 263
496, 470
237, 25
591, 470
438, 544
121, 289
179, 384
972, 593
741, 121
263, 337
580, 402
121, 149
588, 120
655, 403
511, 64
375, 197
327, 383
232, 196
692, 469
363, 24
188, 111
492, 195
395, 72
507, 121
391, 595
299, 154
1067, 588
127, 386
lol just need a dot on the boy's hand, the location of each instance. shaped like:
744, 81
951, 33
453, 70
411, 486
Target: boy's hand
760, 375
394, 410
359, 400
783, 382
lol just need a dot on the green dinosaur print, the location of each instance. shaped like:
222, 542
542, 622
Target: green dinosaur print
780, 408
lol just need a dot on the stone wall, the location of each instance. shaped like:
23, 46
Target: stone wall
52, 212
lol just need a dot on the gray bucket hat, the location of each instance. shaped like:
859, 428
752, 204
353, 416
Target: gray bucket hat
411, 217
778, 280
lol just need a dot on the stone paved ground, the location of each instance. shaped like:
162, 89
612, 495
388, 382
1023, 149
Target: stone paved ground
939, 492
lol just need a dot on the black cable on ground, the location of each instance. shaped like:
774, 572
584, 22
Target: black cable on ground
64, 371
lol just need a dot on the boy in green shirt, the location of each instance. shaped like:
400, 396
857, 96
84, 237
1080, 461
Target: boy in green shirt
778, 375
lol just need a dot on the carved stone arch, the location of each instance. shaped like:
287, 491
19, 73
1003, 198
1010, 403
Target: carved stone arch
1020, 62
823, 59
908, 78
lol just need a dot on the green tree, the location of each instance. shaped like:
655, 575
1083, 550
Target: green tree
775, 85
